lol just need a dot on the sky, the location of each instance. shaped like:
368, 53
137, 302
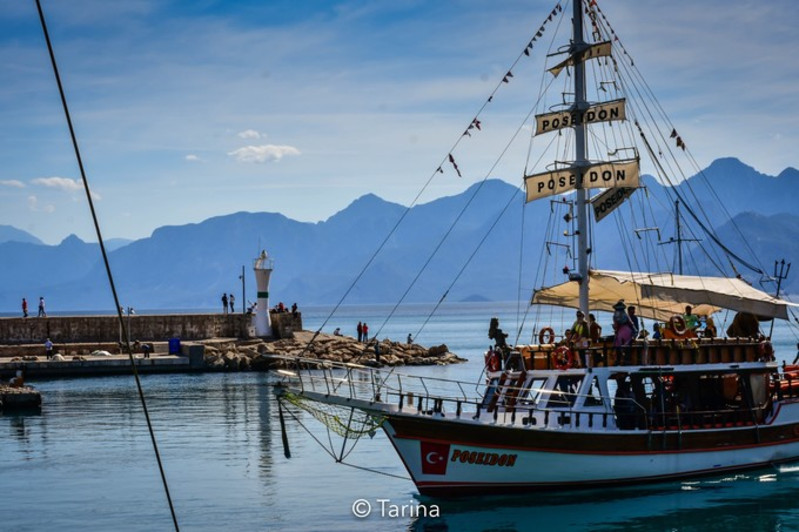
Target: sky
185, 110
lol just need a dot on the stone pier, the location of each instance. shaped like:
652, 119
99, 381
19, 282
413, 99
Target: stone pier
103, 329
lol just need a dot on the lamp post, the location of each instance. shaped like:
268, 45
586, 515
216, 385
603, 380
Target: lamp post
243, 292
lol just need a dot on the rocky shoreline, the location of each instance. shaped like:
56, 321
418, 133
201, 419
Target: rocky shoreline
260, 355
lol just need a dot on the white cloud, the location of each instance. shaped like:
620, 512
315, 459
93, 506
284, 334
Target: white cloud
33, 205
262, 154
61, 183
193, 158
12, 183
250, 134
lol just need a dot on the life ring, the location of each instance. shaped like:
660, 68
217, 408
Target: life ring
547, 333
562, 358
678, 325
492, 361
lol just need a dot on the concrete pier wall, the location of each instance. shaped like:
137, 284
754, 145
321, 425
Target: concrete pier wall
76, 329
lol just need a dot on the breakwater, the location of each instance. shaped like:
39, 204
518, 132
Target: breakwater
160, 327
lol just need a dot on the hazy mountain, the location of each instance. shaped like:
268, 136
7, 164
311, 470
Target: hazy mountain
189, 266
12, 234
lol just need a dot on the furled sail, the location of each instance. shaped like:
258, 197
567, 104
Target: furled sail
600, 49
662, 295
600, 112
608, 201
600, 175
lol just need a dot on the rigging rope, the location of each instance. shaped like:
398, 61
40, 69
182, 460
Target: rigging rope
105, 262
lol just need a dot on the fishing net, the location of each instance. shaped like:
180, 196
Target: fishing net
345, 421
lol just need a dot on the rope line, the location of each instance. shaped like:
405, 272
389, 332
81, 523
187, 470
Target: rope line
105, 262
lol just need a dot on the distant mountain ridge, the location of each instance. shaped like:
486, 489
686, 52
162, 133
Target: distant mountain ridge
189, 266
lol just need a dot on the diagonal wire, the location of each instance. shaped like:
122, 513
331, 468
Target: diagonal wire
105, 261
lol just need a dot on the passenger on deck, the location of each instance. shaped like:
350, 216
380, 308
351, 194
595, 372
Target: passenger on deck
744, 325
656, 335
623, 330
594, 329
579, 331
710, 327
691, 319
633, 321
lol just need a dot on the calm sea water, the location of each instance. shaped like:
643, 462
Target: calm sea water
87, 462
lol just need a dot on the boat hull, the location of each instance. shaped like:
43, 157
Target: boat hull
447, 458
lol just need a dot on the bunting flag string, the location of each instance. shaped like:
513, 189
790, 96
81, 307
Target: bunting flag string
678, 139
455, 165
477, 124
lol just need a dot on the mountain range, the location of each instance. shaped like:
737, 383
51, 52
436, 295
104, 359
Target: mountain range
189, 266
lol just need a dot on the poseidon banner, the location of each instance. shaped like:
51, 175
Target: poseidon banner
603, 112
601, 49
606, 203
602, 175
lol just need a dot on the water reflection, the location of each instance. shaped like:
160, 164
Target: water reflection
765, 501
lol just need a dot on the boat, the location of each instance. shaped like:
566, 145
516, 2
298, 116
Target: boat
584, 409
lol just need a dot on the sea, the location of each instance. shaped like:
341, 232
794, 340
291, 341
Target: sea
86, 462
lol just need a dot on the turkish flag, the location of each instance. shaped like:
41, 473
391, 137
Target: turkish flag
434, 457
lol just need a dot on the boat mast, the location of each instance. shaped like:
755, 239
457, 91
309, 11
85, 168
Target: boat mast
580, 162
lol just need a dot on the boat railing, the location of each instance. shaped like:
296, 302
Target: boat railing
552, 408
356, 381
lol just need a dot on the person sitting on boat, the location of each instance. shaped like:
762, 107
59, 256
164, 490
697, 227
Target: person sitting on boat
691, 319
623, 330
710, 327
656, 335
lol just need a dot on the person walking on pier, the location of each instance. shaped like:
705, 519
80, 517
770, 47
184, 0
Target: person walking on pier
224, 303
24, 308
232, 301
42, 313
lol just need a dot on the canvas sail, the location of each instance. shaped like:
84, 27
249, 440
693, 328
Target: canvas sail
662, 295
601, 112
601, 175
601, 49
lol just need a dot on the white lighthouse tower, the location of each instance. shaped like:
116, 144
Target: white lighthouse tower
261, 321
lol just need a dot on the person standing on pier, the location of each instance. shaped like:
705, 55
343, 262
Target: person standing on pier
48, 349
365, 332
359, 328
24, 308
224, 303
232, 301
42, 313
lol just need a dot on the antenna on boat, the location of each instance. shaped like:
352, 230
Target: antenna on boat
783, 274
679, 240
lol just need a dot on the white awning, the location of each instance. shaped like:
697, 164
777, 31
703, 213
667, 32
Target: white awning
662, 295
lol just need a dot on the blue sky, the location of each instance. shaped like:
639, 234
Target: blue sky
186, 110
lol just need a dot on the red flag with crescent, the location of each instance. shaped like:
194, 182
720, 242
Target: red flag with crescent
434, 457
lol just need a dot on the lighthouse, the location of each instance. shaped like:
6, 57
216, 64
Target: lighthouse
263, 270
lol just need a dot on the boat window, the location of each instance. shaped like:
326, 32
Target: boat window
565, 392
532, 393
594, 397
